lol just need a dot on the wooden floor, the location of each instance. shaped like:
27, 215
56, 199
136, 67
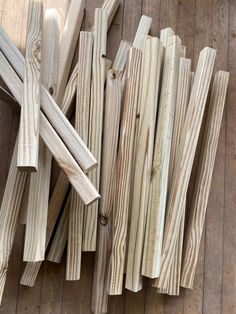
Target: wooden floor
199, 23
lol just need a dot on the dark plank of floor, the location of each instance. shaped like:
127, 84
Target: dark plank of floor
215, 208
229, 246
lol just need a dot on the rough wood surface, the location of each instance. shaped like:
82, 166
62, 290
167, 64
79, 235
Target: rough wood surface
124, 166
96, 122
162, 150
109, 157
60, 239
68, 43
35, 234
203, 181
74, 246
149, 91
185, 156
28, 145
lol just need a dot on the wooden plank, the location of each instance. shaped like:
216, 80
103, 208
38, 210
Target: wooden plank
60, 239
24, 203
68, 43
35, 234
185, 156
96, 122
165, 34
31, 270
109, 156
142, 31
125, 156
149, 91
184, 86
28, 144
75, 175
74, 247
203, 182
160, 165
51, 110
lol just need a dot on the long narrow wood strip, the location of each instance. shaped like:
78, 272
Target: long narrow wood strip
165, 34
52, 111
59, 242
142, 31
149, 89
203, 181
111, 7
74, 247
31, 270
124, 165
9, 215
28, 145
75, 175
109, 156
160, 166
35, 234
96, 122
185, 157
184, 86
24, 203
68, 43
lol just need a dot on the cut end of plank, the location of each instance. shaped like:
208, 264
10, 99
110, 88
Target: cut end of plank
27, 168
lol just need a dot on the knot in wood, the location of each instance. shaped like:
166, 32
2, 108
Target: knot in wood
103, 220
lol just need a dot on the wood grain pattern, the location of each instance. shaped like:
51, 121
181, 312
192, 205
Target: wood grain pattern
9, 214
60, 239
184, 86
51, 110
31, 269
96, 122
124, 166
203, 181
162, 150
74, 247
149, 91
35, 234
185, 156
28, 145
75, 175
68, 43
109, 157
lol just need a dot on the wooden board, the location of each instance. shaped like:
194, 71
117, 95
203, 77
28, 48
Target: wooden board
214, 286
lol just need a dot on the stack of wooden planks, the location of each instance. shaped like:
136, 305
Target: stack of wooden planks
125, 159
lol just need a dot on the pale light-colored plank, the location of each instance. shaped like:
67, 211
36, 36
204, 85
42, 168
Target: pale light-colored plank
35, 234
185, 157
184, 86
109, 157
68, 43
160, 165
64, 128
59, 241
149, 91
96, 122
65, 160
31, 270
28, 145
165, 34
74, 246
142, 31
124, 167
203, 181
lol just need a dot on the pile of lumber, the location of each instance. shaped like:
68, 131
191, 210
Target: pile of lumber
125, 161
